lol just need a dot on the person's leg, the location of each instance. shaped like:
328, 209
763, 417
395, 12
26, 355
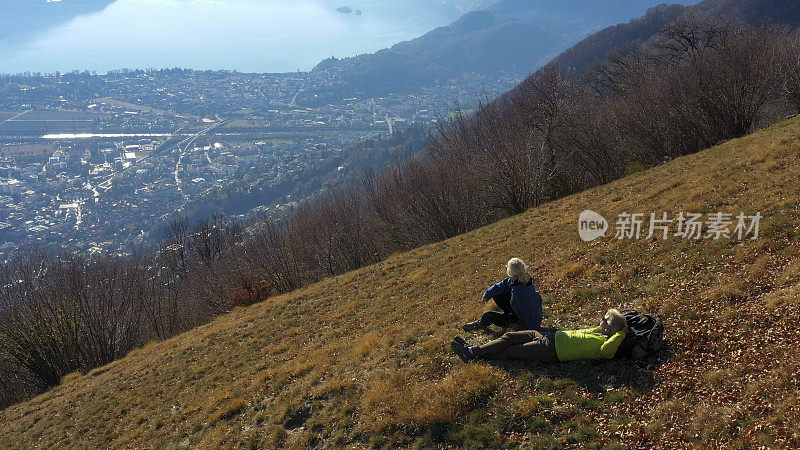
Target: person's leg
504, 302
498, 318
496, 349
461, 348
509, 318
543, 348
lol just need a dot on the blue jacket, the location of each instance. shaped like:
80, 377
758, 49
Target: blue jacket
526, 302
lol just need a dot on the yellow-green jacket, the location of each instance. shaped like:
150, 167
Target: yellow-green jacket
586, 344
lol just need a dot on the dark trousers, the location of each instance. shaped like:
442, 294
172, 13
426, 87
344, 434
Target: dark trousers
527, 345
500, 318
504, 302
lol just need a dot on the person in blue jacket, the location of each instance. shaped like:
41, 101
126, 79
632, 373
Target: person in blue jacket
516, 296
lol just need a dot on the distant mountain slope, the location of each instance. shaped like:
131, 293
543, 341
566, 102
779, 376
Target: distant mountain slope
363, 359
510, 35
754, 11
596, 47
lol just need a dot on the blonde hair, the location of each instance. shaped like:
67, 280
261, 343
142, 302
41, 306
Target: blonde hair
516, 268
615, 320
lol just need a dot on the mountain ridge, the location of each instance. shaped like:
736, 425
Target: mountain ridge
510, 35
582, 55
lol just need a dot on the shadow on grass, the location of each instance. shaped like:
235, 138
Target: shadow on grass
593, 375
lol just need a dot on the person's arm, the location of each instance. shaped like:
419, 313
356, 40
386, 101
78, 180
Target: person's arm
501, 287
610, 346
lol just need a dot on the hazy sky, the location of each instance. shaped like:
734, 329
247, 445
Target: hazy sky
245, 35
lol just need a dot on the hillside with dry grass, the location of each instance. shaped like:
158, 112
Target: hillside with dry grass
363, 359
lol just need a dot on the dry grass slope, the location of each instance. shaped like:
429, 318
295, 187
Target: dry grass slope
363, 359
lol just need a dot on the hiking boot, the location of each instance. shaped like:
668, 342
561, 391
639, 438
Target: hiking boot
459, 347
473, 326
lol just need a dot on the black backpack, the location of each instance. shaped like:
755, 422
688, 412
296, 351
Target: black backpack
645, 335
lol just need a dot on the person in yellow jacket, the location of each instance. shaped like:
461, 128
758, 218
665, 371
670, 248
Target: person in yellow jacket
591, 343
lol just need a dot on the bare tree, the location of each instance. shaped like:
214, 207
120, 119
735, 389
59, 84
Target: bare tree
789, 69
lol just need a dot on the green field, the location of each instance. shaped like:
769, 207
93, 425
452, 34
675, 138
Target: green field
240, 123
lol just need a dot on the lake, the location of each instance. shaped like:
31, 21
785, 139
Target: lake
243, 35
